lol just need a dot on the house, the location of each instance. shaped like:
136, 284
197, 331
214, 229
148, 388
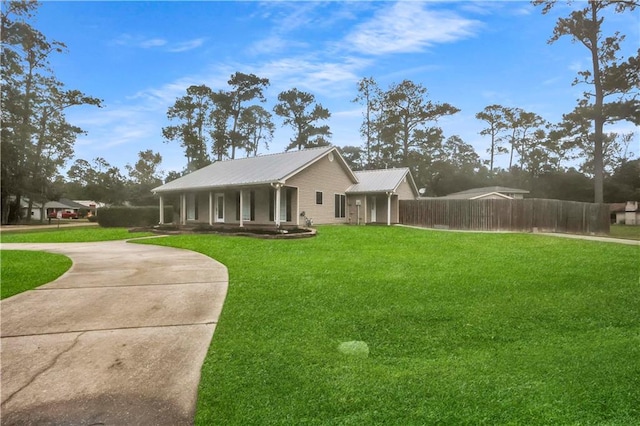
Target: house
488, 193
288, 189
626, 213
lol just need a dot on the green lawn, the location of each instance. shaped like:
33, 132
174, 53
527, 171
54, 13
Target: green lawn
23, 270
69, 235
625, 231
462, 328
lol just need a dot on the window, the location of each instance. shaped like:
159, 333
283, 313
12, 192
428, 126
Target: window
318, 197
341, 203
248, 206
285, 205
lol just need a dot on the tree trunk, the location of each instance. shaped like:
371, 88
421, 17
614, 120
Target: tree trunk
598, 121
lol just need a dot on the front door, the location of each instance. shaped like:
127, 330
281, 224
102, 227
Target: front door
219, 208
373, 209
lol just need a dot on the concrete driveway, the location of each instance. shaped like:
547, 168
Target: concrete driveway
118, 339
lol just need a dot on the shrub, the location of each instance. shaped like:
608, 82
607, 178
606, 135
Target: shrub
132, 216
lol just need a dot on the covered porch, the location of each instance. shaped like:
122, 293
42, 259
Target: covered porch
274, 204
382, 208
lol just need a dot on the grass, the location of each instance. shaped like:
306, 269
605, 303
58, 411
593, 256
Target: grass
24, 270
625, 231
462, 328
69, 235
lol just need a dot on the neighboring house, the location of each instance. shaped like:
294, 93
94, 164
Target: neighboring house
626, 213
90, 205
287, 189
36, 209
488, 193
52, 207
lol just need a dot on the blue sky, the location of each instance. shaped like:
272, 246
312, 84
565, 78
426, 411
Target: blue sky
140, 56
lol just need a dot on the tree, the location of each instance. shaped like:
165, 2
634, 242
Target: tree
298, 110
614, 82
369, 94
460, 155
406, 112
99, 181
143, 177
194, 113
36, 138
494, 116
256, 128
244, 88
354, 157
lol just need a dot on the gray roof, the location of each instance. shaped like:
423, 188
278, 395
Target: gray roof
264, 169
476, 192
57, 205
384, 180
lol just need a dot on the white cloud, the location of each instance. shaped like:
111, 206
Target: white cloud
409, 27
142, 42
153, 42
186, 45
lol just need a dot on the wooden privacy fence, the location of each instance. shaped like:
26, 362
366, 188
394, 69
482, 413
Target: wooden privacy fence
528, 215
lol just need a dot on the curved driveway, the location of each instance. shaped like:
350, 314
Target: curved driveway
118, 339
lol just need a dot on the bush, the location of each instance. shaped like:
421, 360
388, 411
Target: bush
132, 216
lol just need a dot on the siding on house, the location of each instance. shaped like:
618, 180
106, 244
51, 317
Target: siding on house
325, 176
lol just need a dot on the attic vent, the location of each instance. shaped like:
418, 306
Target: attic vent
331, 156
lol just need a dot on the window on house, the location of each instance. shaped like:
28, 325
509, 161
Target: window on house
285, 205
318, 197
248, 206
341, 204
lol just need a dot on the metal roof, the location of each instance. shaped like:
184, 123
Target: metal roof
259, 170
383, 180
476, 193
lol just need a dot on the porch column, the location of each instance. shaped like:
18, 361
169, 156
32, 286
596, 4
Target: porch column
183, 209
389, 194
161, 210
277, 218
241, 210
210, 208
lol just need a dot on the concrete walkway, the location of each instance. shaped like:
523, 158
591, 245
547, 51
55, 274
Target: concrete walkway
118, 339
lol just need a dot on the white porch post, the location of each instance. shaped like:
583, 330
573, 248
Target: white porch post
389, 208
183, 209
278, 186
161, 210
241, 210
210, 208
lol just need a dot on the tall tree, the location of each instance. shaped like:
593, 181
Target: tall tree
256, 128
36, 138
494, 116
99, 180
614, 82
244, 88
407, 110
521, 126
143, 177
369, 95
299, 110
193, 111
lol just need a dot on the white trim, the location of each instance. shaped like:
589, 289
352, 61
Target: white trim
218, 218
161, 210
210, 208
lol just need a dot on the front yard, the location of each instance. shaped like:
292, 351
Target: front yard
462, 328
